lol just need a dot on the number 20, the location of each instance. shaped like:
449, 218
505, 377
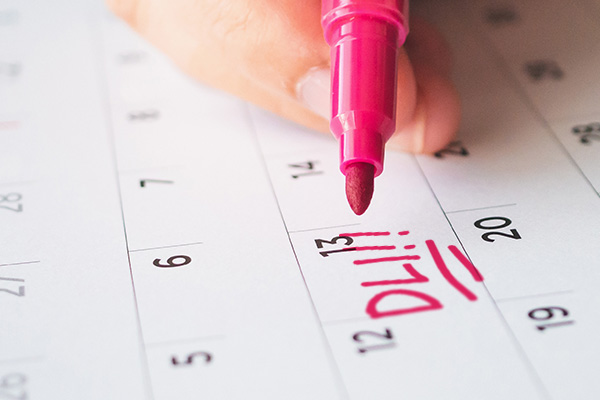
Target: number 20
501, 222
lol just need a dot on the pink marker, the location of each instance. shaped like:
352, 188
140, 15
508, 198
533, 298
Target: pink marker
364, 36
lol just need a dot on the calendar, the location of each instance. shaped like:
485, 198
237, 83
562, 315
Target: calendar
161, 239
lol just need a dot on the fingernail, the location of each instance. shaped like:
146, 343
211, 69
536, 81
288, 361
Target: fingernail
313, 91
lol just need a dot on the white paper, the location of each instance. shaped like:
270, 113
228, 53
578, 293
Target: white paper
163, 240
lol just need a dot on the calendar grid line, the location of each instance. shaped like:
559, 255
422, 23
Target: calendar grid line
503, 66
323, 228
247, 276
333, 363
342, 321
12, 279
166, 247
481, 208
109, 126
528, 364
535, 295
145, 170
20, 263
184, 340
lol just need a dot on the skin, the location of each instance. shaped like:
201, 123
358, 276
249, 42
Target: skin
260, 49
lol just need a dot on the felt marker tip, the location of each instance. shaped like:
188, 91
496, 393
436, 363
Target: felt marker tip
360, 180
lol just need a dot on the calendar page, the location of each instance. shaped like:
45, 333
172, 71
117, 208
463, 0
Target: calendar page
160, 239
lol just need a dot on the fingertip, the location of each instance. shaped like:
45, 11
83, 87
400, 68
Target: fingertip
433, 119
443, 115
406, 98
426, 44
436, 116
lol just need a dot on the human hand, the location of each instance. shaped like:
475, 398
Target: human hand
272, 53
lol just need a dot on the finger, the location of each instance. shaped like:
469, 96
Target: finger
256, 49
427, 43
273, 54
435, 118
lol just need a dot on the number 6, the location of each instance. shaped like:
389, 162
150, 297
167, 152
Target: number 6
171, 262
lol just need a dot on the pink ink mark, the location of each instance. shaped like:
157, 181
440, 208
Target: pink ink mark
9, 125
468, 265
403, 233
439, 262
416, 278
432, 303
355, 234
375, 248
385, 259
410, 247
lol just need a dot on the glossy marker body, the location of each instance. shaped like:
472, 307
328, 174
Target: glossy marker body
364, 36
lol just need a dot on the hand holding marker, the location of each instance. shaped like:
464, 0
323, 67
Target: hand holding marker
273, 53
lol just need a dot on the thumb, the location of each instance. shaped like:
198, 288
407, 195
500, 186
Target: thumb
269, 52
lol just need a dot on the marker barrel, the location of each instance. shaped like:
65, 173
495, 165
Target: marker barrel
364, 36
